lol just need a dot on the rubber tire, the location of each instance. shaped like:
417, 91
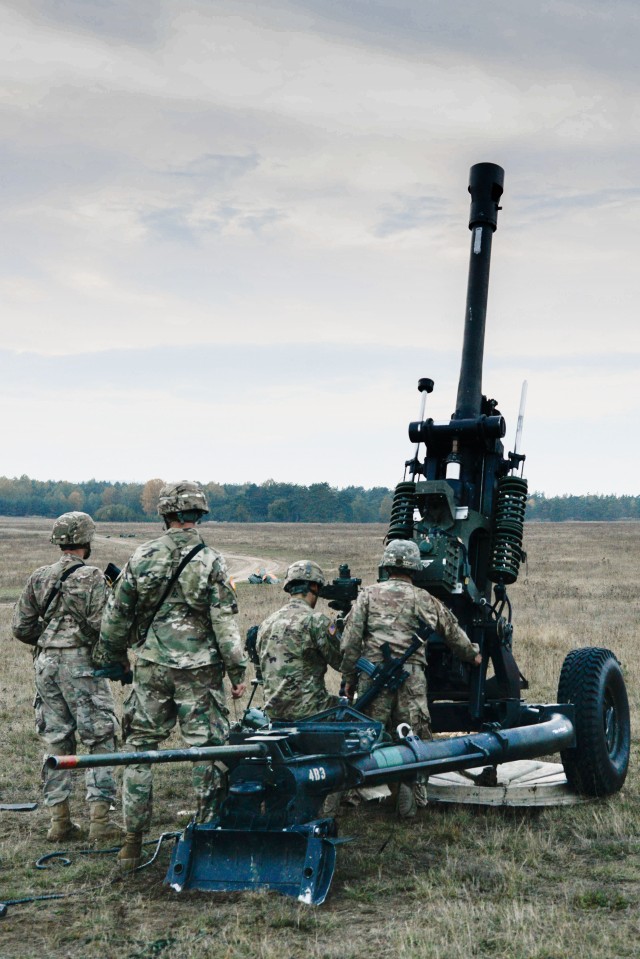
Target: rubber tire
592, 680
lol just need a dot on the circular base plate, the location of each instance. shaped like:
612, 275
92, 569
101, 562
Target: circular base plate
527, 782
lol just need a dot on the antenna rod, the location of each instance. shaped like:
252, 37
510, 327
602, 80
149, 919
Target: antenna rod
523, 403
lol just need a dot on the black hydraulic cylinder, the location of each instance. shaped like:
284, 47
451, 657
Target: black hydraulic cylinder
149, 757
486, 183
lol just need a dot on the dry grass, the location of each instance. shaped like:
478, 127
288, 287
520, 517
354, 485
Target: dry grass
552, 884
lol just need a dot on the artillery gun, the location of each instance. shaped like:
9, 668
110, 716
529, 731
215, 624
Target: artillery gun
464, 505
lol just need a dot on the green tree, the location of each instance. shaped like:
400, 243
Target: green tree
279, 510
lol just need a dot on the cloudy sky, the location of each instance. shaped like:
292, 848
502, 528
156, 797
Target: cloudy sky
234, 234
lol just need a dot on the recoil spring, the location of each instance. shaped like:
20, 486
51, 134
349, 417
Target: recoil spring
506, 549
402, 509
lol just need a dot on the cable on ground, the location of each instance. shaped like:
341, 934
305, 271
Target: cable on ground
62, 858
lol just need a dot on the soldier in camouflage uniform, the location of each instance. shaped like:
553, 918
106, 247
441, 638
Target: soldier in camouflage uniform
59, 613
390, 612
184, 641
295, 645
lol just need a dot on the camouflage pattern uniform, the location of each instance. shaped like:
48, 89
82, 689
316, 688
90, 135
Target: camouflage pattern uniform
295, 644
69, 700
182, 654
389, 612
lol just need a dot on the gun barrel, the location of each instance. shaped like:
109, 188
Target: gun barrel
486, 183
151, 756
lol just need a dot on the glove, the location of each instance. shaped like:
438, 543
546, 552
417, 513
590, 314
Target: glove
115, 672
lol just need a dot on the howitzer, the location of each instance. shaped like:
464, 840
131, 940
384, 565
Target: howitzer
270, 833
471, 510
463, 503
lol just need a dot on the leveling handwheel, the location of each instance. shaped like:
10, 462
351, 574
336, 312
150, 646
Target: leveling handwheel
592, 680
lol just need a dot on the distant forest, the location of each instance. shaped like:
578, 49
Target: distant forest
268, 502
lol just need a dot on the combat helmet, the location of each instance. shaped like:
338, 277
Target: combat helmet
300, 574
186, 499
73, 529
402, 554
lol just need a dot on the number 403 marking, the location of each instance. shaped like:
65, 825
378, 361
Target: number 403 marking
317, 773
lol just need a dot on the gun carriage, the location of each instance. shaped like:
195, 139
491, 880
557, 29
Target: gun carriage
463, 503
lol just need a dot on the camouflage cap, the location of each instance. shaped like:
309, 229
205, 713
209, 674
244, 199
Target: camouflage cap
304, 571
177, 497
402, 554
73, 529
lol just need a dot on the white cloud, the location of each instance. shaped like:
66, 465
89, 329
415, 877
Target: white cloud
193, 174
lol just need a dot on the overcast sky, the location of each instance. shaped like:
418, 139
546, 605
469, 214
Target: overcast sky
234, 234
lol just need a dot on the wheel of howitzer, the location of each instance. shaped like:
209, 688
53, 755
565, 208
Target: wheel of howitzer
592, 680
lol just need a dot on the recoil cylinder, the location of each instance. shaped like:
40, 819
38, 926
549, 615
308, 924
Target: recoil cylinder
506, 549
402, 508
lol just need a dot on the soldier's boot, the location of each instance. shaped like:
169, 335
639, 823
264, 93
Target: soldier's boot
102, 830
421, 796
330, 808
130, 855
62, 827
406, 806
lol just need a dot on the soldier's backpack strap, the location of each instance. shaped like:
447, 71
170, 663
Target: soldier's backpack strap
183, 562
56, 589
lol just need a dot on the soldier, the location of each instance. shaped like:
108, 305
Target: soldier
295, 645
59, 613
390, 612
174, 604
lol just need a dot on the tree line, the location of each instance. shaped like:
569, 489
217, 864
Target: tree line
269, 502
590, 507
228, 502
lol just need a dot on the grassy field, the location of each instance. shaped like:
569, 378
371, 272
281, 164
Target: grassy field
459, 882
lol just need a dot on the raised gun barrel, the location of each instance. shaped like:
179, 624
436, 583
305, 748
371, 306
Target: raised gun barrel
486, 183
465, 512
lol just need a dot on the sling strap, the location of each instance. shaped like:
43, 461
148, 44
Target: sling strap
56, 589
183, 562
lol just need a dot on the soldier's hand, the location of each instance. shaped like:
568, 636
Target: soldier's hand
238, 690
119, 671
478, 660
